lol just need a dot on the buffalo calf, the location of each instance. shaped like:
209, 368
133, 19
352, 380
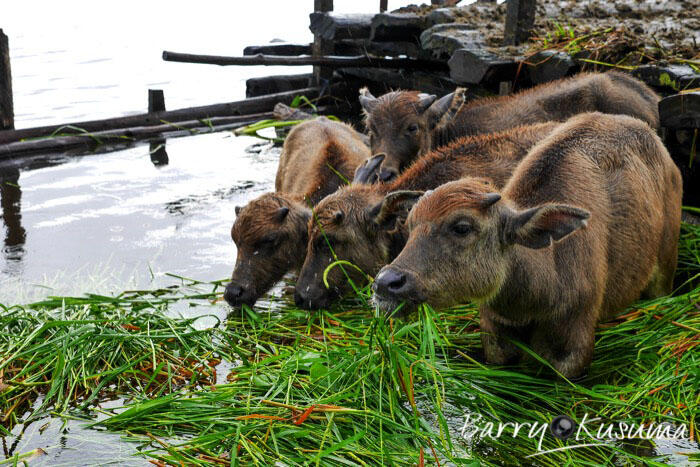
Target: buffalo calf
406, 124
270, 232
363, 224
588, 223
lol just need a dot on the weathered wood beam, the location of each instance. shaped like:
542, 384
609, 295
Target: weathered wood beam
332, 26
321, 47
156, 100
237, 108
397, 27
273, 84
326, 61
278, 49
125, 136
7, 115
520, 18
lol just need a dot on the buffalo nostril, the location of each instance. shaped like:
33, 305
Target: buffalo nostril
233, 292
391, 280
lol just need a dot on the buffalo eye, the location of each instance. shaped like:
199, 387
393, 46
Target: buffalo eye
267, 241
461, 228
412, 128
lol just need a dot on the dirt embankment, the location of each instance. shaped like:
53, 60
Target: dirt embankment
623, 32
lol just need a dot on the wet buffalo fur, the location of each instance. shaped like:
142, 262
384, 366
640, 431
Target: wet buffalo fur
365, 226
406, 124
270, 232
588, 223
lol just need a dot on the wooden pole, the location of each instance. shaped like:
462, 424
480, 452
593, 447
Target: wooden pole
7, 115
383, 5
321, 46
520, 18
156, 100
328, 61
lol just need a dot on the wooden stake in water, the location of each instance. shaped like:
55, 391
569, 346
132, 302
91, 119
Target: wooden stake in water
7, 115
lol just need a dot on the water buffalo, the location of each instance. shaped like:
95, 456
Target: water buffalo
364, 225
588, 223
270, 232
406, 124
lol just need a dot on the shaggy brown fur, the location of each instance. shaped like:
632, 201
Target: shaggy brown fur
364, 225
588, 223
407, 124
270, 232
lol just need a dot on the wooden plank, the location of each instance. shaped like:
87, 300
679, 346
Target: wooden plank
237, 108
520, 18
7, 115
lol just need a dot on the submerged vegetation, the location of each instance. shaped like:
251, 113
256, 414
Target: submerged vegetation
344, 386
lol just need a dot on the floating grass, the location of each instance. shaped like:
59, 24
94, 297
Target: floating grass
347, 387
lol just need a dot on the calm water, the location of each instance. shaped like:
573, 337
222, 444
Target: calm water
114, 221
107, 222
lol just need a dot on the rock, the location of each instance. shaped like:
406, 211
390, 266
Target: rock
481, 66
443, 40
549, 65
680, 111
677, 77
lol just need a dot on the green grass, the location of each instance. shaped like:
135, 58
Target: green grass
340, 387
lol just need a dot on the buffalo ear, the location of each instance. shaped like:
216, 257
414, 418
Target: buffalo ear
367, 100
281, 213
368, 172
425, 101
395, 205
446, 107
541, 226
237, 209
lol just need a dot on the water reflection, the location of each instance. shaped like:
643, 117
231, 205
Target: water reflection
15, 235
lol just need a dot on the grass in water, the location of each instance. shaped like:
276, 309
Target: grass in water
346, 387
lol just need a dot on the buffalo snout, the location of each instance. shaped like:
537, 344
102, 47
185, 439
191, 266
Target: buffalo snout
237, 294
313, 298
393, 286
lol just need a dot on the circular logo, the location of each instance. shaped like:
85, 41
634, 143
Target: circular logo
562, 427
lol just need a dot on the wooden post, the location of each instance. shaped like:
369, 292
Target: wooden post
156, 100
520, 18
321, 46
383, 5
7, 114
159, 156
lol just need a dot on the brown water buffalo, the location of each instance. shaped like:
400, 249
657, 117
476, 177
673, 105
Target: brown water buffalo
270, 232
406, 124
365, 226
588, 223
